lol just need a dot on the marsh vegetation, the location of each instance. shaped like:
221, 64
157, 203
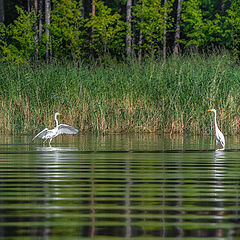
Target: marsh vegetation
108, 96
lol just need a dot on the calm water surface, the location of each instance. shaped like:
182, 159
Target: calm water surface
119, 187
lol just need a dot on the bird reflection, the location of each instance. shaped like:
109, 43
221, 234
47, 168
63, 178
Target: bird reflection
56, 149
218, 165
219, 155
54, 177
219, 172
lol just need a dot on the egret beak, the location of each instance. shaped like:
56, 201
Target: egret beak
60, 114
210, 110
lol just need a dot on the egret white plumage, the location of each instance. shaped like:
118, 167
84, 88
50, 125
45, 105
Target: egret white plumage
46, 133
218, 134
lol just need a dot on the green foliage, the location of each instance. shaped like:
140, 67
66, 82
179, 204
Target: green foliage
2, 33
205, 24
193, 23
67, 28
20, 45
108, 30
2, 39
233, 26
199, 30
149, 19
214, 31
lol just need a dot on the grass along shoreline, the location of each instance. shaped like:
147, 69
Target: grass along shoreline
123, 97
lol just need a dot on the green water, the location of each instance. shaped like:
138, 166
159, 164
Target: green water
119, 187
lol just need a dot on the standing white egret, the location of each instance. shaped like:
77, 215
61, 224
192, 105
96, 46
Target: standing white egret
46, 134
218, 134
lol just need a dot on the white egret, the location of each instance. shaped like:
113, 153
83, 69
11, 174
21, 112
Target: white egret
46, 134
218, 134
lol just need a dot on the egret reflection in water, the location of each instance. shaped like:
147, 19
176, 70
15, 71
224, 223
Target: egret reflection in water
217, 191
56, 149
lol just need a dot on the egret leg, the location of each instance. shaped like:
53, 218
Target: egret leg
50, 142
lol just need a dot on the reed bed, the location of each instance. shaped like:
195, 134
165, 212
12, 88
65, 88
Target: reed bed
154, 96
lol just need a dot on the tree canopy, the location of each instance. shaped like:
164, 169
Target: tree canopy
78, 29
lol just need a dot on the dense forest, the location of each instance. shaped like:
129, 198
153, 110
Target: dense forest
36, 30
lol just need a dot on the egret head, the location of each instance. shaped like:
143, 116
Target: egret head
212, 110
56, 114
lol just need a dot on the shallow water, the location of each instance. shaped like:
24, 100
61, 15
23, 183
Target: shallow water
119, 187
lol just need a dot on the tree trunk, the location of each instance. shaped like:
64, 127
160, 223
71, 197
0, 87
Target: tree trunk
47, 23
35, 7
177, 32
36, 28
28, 5
223, 7
140, 41
165, 30
140, 46
40, 20
93, 8
129, 22
133, 31
82, 9
92, 32
2, 12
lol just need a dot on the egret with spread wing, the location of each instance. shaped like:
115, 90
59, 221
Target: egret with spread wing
46, 134
218, 134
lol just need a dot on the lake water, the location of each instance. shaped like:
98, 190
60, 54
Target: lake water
119, 187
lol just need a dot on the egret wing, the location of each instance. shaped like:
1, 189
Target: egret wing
42, 134
66, 129
221, 139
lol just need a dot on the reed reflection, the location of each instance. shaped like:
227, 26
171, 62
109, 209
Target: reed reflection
127, 200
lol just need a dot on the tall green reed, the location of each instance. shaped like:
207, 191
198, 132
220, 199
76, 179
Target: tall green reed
154, 96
